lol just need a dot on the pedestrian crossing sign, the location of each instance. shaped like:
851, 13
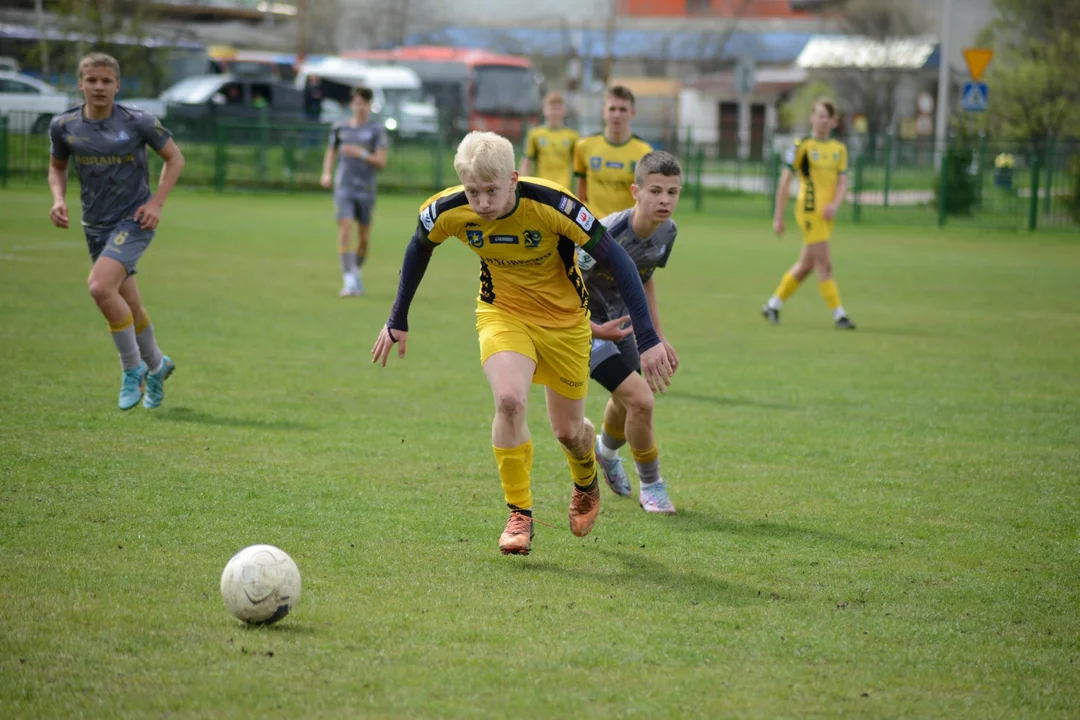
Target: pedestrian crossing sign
974, 97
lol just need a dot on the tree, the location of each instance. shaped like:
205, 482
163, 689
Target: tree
872, 90
1035, 78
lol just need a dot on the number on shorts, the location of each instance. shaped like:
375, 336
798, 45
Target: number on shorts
121, 238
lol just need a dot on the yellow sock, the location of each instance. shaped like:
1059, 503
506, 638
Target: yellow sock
515, 464
645, 456
582, 469
122, 325
830, 293
787, 287
616, 433
143, 322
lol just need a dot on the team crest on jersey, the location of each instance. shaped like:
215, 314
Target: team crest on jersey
585, 219
815, 156
836, 156
122, 136
532, 238
596, 162
475, 238
543, 142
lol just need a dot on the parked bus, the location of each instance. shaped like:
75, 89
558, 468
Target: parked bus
474, 89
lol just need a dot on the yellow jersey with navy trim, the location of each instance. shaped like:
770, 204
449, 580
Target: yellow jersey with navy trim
608, 171
818, 164
552, 152
527, 257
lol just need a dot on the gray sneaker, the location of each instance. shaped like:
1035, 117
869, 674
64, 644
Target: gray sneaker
654, 499
614, 474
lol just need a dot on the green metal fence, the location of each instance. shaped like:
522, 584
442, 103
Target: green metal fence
894, 181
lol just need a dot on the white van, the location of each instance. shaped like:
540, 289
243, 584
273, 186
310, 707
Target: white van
398, 99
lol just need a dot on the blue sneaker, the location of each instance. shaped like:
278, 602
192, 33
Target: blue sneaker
131, 388
614, 473
654, 499
155, 384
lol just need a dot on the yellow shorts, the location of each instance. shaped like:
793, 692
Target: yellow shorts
815, 228
561, 354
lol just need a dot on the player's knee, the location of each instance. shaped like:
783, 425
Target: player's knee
567, 430
100, 290
510, 404
639, 403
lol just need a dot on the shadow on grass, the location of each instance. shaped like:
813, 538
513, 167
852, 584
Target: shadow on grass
283, 627
187, 415
644, 576
697, 521
729, 401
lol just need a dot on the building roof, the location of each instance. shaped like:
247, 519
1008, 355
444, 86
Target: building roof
768, 47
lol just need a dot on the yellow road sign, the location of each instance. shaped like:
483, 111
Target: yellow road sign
977, 60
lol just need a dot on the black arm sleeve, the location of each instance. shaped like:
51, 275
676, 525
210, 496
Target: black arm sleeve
630, 288
417, 257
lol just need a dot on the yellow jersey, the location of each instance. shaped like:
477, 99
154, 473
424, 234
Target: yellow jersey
527, 257
551, 151
818, 164
608, 171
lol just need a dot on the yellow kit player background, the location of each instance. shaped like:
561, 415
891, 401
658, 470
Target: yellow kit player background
608, 171
552, 151
532, 298
818, 164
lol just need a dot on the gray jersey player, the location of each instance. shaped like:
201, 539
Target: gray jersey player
359, 146
107, 143
647, 233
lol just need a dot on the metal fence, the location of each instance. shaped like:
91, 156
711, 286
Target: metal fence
892, 181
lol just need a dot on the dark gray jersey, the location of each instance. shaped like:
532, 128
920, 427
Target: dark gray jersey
110, 160
647, 253
356, 177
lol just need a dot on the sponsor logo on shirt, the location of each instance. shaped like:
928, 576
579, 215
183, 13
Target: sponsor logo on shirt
585, 261
566, 205
475, 238
614, 165
532, 238
472, 224
122, 136
426, 219
503, 239
585, 219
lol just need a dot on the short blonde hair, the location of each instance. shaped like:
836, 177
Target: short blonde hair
99, 59
554, 97
484, 156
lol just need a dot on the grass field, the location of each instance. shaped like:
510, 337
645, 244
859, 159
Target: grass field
883, 523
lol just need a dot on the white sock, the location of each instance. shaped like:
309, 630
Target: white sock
838, 313
606, 452
775, 303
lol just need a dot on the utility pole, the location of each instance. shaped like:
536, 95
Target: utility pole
301, 30
44, 43
941, 132
609, 39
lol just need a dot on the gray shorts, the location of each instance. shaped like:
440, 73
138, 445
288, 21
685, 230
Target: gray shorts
610, 363
124, 243
352, 207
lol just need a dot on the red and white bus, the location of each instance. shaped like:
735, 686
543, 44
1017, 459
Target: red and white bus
473, 89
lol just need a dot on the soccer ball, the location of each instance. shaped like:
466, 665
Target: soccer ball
260, 584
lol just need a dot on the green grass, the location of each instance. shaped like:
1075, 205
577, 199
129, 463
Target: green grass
876, 524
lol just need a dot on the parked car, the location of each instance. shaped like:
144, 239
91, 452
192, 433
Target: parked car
28, 103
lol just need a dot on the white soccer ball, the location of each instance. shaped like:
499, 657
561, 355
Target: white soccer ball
260, 584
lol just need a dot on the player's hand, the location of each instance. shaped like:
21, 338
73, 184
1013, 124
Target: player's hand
656, 368
778, 226
829, 211
672, 356
326, 181
612, 330
149, 215
58, 214
387, 337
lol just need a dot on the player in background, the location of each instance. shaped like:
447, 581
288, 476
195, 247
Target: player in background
532, 315
604, 163
108, 143
359, 144
821, 164
551, 146
647, 233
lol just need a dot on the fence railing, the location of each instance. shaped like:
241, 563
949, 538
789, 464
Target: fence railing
992, 184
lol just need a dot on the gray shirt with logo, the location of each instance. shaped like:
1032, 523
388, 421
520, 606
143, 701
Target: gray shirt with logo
110, 160
649, 253
356, 177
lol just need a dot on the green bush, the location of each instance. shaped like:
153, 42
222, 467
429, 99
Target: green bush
959, 181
